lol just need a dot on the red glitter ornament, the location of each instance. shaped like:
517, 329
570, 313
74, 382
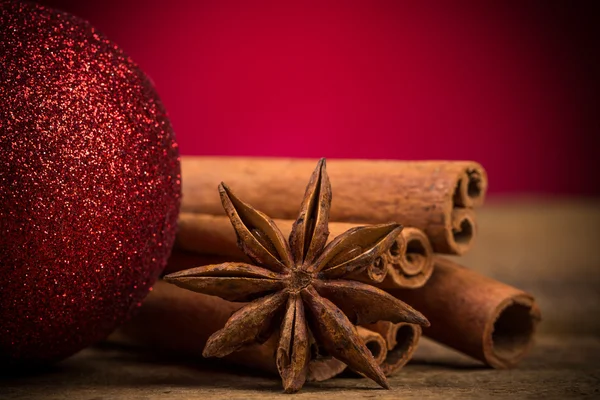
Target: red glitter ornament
89, 185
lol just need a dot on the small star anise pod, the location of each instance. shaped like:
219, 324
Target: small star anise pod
299, 286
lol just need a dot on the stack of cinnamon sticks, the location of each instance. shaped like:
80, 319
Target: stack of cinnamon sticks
436, 203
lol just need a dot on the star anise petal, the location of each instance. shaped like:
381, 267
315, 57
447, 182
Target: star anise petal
258, 236
338, 336
366, 304
355, 249
294, 351
230, 281
310, 230
254, 322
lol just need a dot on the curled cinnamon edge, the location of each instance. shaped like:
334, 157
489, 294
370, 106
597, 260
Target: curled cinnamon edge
462, 232
471, 187
422, 194
402, 340
508, 335
410, 261
374, 342
456, 233
479, 316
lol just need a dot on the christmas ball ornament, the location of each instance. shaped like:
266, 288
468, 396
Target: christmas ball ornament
89, 185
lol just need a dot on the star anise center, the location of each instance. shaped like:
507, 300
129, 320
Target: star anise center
299, 279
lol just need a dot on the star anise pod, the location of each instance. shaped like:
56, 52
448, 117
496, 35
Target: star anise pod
299, 286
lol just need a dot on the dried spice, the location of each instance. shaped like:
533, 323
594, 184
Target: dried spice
479, 316
299, 286
438, 197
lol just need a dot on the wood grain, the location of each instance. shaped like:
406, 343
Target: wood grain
559, 368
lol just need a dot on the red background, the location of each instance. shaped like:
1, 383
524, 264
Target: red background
510, 84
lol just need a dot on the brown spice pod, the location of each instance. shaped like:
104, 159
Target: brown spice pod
408, 263
177, 320
479, 316
402, 340
213, 235
422, 194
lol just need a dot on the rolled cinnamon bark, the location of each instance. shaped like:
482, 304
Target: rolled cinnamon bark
402, 340
213, 235
410, 266
180, 321
422, 194
375, 343
408, 263
479, 316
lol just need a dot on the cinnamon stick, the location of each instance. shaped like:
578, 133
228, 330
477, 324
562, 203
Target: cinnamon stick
402, 340
409, 266
408, 263
434, 196
374, 342
481, 317
213, 235
181, 321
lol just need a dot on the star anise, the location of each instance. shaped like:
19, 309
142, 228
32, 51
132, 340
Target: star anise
299, 286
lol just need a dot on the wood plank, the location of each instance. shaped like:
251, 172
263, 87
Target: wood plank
558, 368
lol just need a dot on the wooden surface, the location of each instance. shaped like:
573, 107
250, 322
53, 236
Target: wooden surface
551, 249
557, 369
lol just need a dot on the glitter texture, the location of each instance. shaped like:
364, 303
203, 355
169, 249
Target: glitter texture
89, 185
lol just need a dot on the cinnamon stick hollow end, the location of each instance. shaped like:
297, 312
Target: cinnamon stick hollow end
402, 340
417, 263
398, 249
471, 186
508, 336
457, 234
375, 343
479, 316
374, 273
410, 265
407, 338
464, 230
378, 271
